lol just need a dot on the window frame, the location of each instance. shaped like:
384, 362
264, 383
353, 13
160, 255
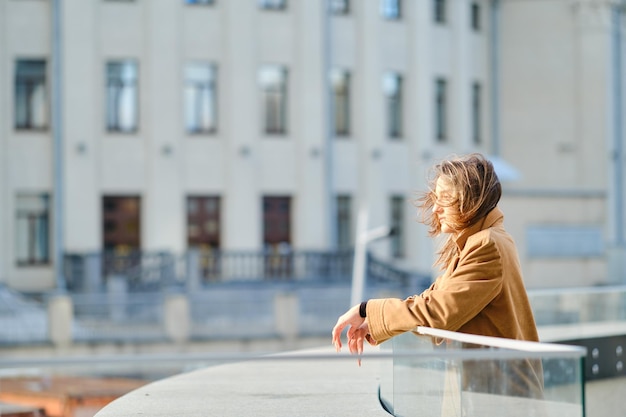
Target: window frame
42, 225
127, 212
30, 104
475, 16
391, 9
394, 106
477, 112
200, 88
441, 109
440, 8
341, 97
274, 99
277, 220
205, 239
113, 109
339, 7
276, 5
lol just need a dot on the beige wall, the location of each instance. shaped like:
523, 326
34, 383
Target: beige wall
27, 162
556, 112
553, 118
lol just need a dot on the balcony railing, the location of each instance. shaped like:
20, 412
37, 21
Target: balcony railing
442, 373
151, 271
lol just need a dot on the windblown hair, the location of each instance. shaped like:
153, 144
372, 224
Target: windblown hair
476, 191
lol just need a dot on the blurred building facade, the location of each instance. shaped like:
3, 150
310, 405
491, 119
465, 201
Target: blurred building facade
255, 124
561, 117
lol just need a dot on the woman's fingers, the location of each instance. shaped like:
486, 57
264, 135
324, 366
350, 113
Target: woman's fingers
337, 335
350, 318
356, 338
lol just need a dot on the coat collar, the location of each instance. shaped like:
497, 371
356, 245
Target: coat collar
491, 219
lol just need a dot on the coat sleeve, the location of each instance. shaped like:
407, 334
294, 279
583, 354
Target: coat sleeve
454, 299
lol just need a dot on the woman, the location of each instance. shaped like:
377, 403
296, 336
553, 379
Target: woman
480, 291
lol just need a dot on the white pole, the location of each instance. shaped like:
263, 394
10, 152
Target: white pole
358, 268
363, 237
329, 115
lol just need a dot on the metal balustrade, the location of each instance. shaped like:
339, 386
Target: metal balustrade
152, 271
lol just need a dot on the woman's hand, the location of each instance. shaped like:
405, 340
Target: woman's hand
358, 331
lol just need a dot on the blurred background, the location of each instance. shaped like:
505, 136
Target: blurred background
192, 175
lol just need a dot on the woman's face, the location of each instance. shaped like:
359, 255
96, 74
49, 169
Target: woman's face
445, 207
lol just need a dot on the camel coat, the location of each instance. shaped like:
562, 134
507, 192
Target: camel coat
481, 292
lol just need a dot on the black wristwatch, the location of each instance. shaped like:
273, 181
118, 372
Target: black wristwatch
363, 309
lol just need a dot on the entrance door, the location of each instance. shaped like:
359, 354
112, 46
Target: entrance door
277, 236
203, 233
121, 232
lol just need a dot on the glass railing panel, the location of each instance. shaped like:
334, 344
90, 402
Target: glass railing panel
439, 373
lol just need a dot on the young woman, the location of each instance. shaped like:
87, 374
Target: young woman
480, 290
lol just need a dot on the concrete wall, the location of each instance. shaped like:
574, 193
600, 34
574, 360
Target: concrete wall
553, 119
27, 162
163, 165
556, 117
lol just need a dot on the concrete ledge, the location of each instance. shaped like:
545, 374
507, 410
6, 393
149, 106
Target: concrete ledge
262, 388
292, 388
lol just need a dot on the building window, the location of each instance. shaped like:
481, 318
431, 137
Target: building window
439, 11
339, 7
200, 98
475, 16
122, 96
32, 229
273, 80
397, 204
203, 233
273, 4
476, 112
31, 97
203, 222
440, 109
276, 221
340, 84
344, 222
392, 88
121, 223
277, 237
199, 1
390, 9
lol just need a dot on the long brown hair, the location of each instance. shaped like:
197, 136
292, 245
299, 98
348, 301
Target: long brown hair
477, 191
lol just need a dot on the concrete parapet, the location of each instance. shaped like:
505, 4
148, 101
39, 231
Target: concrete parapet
177, 318
117, 294
60, 318
263, 388
286, 315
